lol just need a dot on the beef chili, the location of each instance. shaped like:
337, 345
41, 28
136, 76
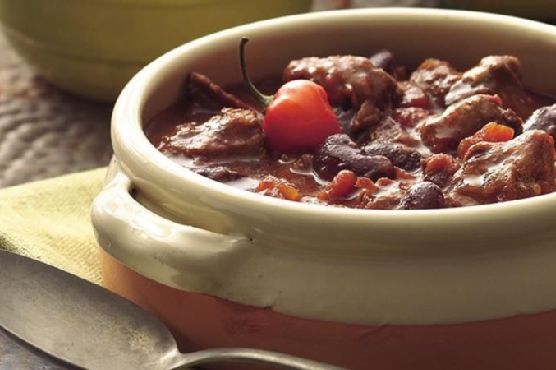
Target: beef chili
367, 133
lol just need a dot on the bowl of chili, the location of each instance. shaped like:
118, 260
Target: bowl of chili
396, 288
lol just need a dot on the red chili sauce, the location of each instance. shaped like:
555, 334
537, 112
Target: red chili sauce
430, 138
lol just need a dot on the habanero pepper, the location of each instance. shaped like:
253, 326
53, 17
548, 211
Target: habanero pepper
298, 118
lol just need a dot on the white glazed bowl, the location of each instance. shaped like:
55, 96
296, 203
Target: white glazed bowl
396, 289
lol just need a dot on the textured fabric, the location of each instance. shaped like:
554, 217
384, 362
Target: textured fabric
49, 221
45, 132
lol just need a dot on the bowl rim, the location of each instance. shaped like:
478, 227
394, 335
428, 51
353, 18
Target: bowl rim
131, 145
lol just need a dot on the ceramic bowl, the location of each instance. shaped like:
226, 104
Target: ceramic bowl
93, 47
469, 288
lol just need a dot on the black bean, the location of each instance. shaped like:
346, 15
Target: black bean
423, 195
339, 152
384, 59
400, 155
543, 119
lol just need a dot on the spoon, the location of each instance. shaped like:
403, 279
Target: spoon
90, 327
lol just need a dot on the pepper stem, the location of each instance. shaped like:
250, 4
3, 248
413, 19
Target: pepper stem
265, 100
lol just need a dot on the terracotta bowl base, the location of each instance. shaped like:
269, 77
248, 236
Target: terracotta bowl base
201, 321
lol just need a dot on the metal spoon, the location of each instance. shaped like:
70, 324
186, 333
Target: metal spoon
88, 326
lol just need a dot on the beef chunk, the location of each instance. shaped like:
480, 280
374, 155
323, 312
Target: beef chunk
409, 117
391, 131
233, 131
339, 152
387, 194
218, 173
495, 75
483, 78
413, 96
423, 195
351, 82
366, 117
435, 77
400, 155
495, 172
543, 119
348, 80
439, 168
345, 119
444, 132
200, 83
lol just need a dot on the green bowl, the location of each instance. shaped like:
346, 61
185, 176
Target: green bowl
544, 10
93, 47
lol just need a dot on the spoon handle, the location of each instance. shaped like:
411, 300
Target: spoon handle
252, 356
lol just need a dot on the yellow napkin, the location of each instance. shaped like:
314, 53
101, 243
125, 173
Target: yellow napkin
49, 221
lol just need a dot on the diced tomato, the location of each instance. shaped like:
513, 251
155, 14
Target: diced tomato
384, 181
366, 184
278, 188
438, 162
341, 186
495, 132
492, 132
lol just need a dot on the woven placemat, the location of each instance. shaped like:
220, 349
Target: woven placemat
45, 132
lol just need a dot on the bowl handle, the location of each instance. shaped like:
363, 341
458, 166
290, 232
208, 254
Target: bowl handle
171, 253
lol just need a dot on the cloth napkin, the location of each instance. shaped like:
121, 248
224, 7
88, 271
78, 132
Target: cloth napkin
49, 221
